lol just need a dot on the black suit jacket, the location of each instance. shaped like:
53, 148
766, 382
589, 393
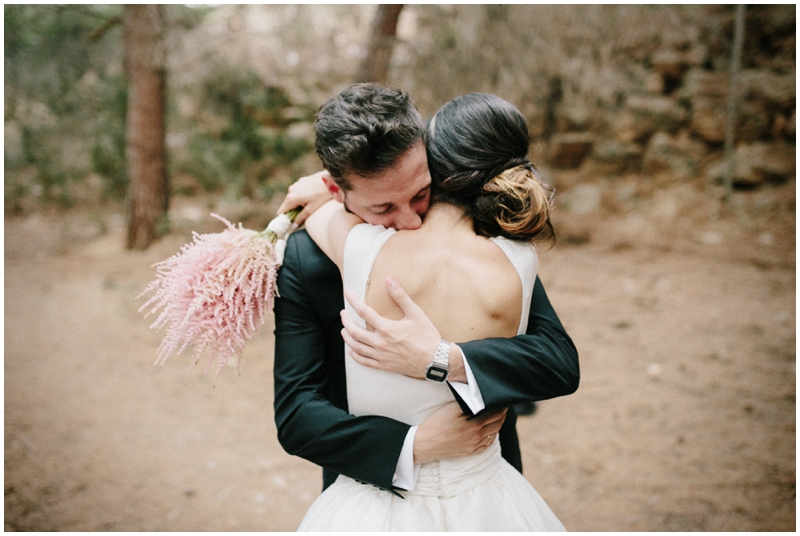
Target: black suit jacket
309, 373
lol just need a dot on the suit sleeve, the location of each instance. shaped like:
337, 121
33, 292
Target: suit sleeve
309, 423
539, 365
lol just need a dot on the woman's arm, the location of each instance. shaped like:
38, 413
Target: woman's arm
329, 226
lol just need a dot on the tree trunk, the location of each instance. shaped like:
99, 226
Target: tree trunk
381, 42
148, 198
733, 101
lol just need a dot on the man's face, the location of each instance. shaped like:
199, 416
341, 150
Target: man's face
396, 198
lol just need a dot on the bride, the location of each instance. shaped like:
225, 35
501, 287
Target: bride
473, 254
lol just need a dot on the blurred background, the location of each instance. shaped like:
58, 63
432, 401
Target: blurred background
668, 134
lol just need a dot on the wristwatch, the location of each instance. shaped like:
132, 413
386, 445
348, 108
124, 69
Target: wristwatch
438, 370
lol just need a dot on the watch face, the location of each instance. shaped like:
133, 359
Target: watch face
436, 373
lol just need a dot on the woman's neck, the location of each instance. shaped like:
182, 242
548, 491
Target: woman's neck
445, 215
447, 218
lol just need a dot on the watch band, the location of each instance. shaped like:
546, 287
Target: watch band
438, 370
442, 356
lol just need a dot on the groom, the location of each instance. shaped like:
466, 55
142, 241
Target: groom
371, 142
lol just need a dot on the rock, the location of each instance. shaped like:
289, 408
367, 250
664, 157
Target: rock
754, 122
756, 164
710, 116
570, 149
775, 89
582, 199
617, 156
696, 56
653, 114
700, 83
742, 177
627, 128
711, 238
709, 120
791, 130
773, 162
670, 66
681, 156
573, 116
668, 62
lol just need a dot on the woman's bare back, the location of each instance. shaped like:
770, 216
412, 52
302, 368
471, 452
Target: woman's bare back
465, 283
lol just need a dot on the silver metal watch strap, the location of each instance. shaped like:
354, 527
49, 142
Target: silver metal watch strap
442, 354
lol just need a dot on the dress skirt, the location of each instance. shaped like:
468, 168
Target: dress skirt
479, 493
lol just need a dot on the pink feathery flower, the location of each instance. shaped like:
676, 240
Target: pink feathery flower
213, 293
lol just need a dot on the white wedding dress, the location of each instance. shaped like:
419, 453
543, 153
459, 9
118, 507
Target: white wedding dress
478, 493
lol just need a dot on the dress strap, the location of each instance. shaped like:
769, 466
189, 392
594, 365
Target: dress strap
525, 260
361, 248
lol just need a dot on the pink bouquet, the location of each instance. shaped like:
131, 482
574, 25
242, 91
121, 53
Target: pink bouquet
212, 294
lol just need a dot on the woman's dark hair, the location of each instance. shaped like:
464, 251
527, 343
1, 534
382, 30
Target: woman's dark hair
364, 130
477, 155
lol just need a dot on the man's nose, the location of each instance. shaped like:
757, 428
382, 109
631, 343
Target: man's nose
408, 219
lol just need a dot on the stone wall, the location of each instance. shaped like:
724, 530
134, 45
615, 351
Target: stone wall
623, 88
607, 90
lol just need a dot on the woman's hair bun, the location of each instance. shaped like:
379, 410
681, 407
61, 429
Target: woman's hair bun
515, 204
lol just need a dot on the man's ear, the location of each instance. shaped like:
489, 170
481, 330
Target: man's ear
333, 188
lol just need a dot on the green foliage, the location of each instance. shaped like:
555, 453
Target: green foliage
108, 150
250, 142
47, 48
66, 104
66, 95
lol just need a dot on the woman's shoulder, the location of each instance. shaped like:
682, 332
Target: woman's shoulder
517, 248
366, 236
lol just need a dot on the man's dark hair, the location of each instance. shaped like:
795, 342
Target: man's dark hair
365, 130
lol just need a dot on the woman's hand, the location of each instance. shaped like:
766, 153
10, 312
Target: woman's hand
308, 192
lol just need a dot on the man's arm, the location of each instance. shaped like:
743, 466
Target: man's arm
307, 383
310, 398
541, 364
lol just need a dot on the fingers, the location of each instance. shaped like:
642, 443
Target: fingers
357, 347
292, 200
490, 430
301, 217
364, 360
367, 313
400, 297
359, 339
309, 192
287, 205
354, 331
491, 423
486, 443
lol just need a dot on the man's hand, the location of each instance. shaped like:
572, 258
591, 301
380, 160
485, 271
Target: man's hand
308, 192
446, 433
404, 346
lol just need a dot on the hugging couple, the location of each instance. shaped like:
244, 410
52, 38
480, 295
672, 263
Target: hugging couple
404, 391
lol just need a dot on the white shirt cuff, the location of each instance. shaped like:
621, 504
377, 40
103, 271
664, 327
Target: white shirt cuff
406, 472
469, 392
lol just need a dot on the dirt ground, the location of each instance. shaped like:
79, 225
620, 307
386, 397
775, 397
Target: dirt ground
684, 318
